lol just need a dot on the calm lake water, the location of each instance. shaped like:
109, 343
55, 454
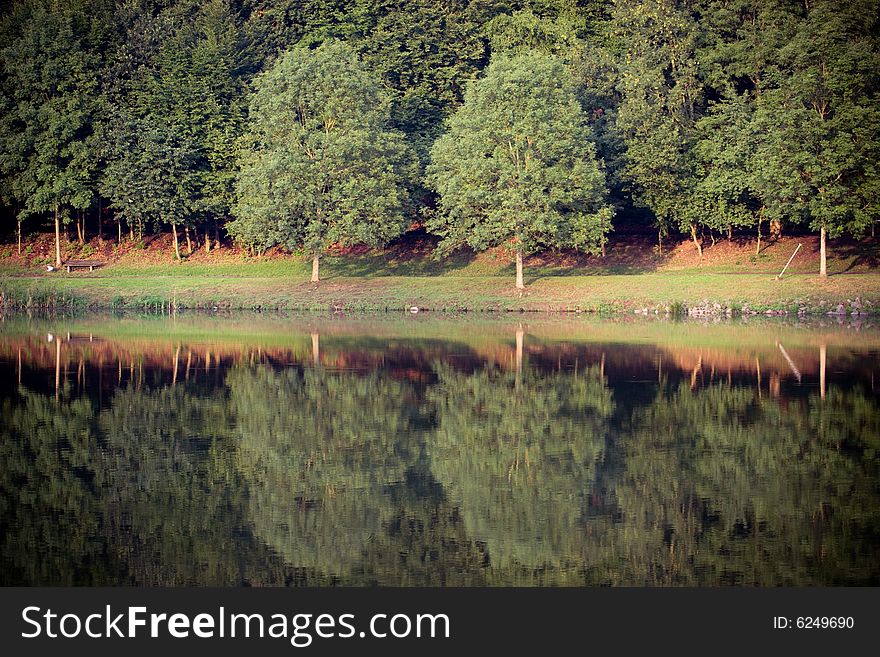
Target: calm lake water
421, 451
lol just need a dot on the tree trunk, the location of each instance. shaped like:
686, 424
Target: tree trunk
660, 240
79, 228
696, 241
100, 223
217, 234
758, 249
119, 229
176, 243
189, 244
730, 233
19, 237
823, 267
207, 240
315, 262
131, 230
57, 239
519, 270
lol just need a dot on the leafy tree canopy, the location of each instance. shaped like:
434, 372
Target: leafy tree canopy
320, 166
517, 163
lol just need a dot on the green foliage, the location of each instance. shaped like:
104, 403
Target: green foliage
660, 91
173, 121
275, 26
520, 460
524, 32
425, 52
517, 163
50, 61
725, 194
706, 115
820, 121
793, 137
320, 166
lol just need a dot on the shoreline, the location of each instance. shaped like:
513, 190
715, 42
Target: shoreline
686, 293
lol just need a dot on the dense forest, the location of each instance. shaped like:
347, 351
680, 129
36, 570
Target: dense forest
532, 124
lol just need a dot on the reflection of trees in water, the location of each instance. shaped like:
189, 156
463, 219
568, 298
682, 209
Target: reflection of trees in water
144, 492
50, 513
319, 452
519, 461
168, 494
719, 487
151, 490
312, 477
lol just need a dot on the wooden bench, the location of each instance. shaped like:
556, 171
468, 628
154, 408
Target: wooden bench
81, 264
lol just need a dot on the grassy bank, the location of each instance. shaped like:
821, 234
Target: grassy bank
666, 291
729, 280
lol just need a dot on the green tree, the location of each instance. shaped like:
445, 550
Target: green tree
320, 166
523, 31
739, 58
820, 123
660, 90
725, 194
151, 177
793, 136
171, 139
278, 25
517, 163
50, 57
424, 51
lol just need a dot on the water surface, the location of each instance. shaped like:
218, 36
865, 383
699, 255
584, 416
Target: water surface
417, 451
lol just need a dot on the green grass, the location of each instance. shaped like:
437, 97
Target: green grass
285, 288
374, 281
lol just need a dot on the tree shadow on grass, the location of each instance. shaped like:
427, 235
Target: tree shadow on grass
862, 254
411, 254
629, 255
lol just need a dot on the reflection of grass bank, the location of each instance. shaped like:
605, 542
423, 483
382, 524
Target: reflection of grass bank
569, 341
664, 291
282, 329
